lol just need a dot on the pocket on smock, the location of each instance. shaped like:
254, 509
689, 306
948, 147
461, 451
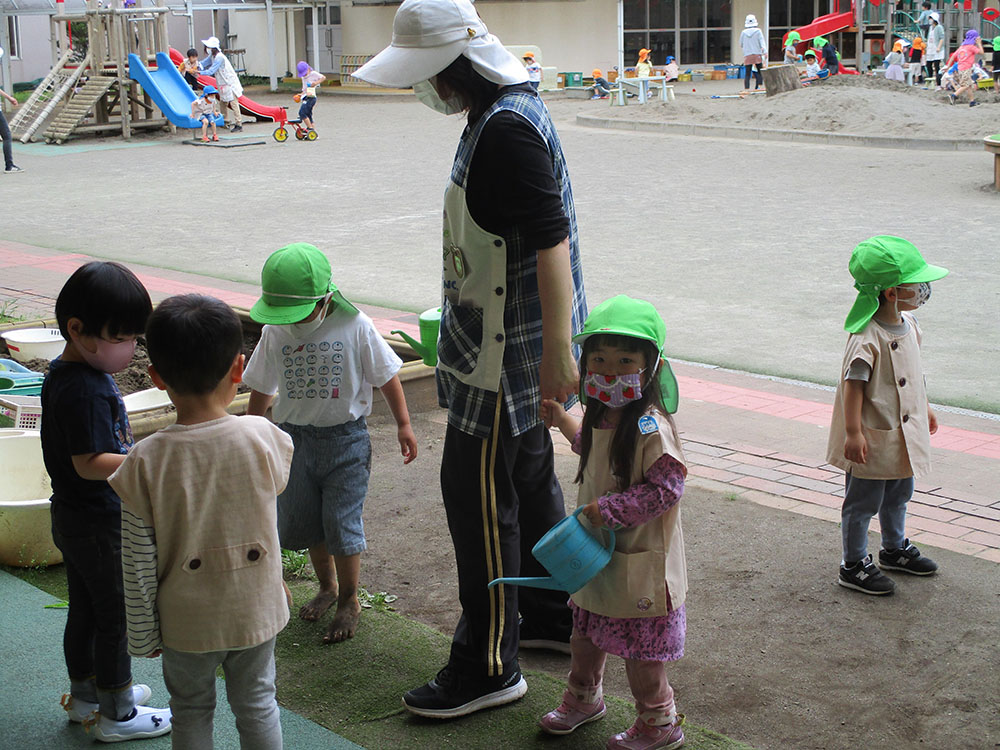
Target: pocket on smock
461, 337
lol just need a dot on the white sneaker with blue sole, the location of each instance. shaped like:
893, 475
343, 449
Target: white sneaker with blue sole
78, 710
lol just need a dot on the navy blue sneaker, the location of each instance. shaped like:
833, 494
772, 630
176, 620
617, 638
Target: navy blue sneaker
908, 559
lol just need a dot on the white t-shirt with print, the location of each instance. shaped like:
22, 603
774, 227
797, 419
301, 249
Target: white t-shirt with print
325, 378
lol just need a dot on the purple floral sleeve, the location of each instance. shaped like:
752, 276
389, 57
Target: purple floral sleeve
646, 500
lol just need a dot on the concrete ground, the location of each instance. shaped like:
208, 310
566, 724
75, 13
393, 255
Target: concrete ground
743, 249
743, 246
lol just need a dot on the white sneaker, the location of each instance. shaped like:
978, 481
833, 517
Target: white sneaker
146, 722
79, 710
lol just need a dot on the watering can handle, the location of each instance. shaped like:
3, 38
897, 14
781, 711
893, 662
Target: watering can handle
611, 532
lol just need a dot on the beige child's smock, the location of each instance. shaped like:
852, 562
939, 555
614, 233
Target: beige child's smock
894, 410
200, 553
632, 584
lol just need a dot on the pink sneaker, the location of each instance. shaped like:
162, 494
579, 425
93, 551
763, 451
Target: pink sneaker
572, 713
644, 736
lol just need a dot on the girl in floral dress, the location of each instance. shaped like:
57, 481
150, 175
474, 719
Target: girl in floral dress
631, 478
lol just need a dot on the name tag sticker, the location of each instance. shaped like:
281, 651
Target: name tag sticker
647, 425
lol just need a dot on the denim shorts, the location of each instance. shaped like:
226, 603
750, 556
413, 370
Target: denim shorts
326, 488
306, 107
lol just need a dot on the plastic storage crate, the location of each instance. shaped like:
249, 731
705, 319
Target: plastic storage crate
572, 78
21, 412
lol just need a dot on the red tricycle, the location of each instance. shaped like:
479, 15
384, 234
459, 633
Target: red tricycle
301, 133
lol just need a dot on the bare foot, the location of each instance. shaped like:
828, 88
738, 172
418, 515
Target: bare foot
345, 622
318, 605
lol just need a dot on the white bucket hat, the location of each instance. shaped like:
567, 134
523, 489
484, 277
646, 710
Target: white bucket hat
751, 21
428, 35
212, 43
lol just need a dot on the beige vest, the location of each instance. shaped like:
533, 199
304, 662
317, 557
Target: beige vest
475, 268
632, 585
894, 411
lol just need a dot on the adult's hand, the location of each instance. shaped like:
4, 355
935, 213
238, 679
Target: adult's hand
559, 375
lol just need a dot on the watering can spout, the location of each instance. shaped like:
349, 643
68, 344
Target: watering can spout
417, 346
535, 583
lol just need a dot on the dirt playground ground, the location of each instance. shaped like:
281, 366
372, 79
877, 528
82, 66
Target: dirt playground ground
856, 105
777, 655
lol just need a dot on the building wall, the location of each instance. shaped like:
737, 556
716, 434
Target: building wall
36, 50
572, 35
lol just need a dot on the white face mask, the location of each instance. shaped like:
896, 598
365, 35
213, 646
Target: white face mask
921, 293
303, 330
428, 96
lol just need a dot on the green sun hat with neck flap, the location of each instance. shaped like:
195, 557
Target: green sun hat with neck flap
292, 281
819, 42
625, 316
879, 263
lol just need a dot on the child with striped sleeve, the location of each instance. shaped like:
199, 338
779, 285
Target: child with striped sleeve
200, 554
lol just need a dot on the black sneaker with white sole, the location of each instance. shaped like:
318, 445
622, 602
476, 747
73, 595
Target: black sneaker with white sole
908, 559
450, 694
550, 639
863, 576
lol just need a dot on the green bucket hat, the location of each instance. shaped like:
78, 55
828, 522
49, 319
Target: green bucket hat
292, 281
793, 38
879, 263
625, 316
996, 43
819, 42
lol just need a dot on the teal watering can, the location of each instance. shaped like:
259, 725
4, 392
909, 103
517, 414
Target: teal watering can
430, 324
570, 553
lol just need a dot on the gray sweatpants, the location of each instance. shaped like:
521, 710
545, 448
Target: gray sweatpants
249, 674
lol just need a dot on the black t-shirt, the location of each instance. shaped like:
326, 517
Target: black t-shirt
511, 186
996, 61
82, 412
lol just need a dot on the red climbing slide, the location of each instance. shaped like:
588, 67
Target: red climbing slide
277, 114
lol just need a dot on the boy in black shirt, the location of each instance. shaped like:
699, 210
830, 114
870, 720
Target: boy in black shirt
85, 436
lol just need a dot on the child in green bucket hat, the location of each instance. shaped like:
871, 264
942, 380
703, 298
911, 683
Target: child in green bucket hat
882, 423
318, 360
631, 478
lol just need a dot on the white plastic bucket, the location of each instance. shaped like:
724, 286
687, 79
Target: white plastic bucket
34, 343
25, 520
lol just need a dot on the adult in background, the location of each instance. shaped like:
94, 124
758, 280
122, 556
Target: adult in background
754, 52
513, 297
230, 89
935, 48
9, 167
965, 56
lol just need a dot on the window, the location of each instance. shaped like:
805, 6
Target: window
14, 34
694, 31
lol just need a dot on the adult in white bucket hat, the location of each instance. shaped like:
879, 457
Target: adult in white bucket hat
230, 89
512, 298
9, 167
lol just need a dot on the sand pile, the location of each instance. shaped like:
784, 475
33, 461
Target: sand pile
856, 105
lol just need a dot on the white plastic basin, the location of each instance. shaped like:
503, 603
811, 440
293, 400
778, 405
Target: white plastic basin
147, 400
25, 520
34, 343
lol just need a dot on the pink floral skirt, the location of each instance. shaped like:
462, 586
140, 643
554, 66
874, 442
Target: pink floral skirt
644, 638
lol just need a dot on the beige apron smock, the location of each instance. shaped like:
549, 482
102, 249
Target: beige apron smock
894, 411
646, 557
474, 277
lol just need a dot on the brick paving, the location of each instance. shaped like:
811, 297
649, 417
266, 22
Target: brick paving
762, 439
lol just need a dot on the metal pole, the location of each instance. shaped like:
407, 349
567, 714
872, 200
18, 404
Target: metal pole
859, 43
315, 25
5, 60
621, 39
270, 46
189, 6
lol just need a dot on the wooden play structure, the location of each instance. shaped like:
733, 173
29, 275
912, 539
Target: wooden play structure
89, 90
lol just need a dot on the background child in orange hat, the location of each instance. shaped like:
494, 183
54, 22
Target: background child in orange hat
601, 87
534, 70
